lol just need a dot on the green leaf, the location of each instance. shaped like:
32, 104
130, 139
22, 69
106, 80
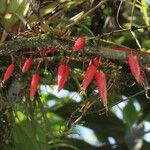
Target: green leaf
105, 125
147, 118
26, 138
146, 44
145, 9
3, 4
129, 113
22, 19
15, 7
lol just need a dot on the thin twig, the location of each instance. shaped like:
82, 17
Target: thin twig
124, 30
132, 32
102, 111
87, 13
132, 11
118, 11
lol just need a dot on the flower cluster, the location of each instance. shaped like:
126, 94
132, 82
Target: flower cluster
63, 68
93, 71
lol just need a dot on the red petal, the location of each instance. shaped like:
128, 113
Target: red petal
27, 65
80, 42
101, 81
135, 68
96, 61
34, 85
63, 72
88, 75
9, 72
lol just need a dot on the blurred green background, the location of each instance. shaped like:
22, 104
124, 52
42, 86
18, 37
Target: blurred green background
69, 120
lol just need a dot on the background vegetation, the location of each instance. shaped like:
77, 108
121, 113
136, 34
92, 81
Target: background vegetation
69, 120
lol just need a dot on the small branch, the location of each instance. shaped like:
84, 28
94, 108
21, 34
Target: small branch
88, 12
118, 11
133, 28
102, 111
132, 11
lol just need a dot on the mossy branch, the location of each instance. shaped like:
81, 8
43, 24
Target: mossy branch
43, 41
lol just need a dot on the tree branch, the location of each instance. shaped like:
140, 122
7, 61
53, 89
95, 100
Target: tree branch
44, 41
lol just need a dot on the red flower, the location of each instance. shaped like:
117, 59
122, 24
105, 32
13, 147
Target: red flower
135, 68
90, 72
34, 85
80, 42
96, 61
9, 72
27, 65
101, 81
63, 72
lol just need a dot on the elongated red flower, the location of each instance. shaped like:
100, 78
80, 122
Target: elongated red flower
9, 72
90, 72
80, 42
34, 85
63, 72
27, 64
101, 81
96, 61
135, 68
